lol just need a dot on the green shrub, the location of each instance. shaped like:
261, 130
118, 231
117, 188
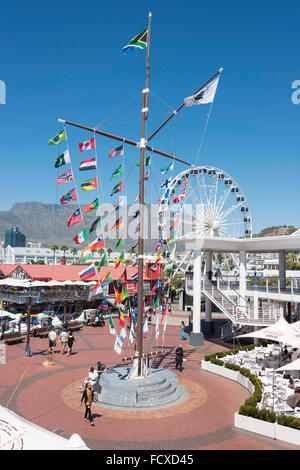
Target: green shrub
288, 421
253, 412
217, 362
232, 367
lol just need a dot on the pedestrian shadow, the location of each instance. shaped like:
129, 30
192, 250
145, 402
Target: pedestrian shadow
95, 416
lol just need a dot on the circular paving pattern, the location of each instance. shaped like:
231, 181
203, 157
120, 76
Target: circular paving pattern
197, 397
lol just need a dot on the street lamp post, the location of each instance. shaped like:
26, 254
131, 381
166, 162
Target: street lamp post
29, 300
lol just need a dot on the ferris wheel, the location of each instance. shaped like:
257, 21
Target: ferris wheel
209, 203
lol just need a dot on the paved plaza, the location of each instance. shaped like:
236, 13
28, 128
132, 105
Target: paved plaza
49, 397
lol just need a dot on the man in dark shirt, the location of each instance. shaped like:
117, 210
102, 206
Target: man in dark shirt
179, 357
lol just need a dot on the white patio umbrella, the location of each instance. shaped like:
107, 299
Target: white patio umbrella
16, 433
295, 365
277, 332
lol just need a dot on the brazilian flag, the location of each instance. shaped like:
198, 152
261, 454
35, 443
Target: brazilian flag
138, 42
60, 137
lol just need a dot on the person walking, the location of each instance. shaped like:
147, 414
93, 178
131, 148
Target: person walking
183, 327
87, 397
218, 276
179, 357
70, 341
52, 343
63, 339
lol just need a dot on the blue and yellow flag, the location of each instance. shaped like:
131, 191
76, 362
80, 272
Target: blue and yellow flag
138, 42
60, 137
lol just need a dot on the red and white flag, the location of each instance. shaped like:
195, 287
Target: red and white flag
65, 177
184, 186
88, 145
179, 198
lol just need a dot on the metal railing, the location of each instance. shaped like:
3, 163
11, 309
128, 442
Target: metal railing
240, 312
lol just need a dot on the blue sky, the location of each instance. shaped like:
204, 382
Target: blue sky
64, 61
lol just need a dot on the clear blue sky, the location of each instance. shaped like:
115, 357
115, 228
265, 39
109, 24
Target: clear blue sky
62, 59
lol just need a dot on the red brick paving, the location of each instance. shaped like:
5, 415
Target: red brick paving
48, 396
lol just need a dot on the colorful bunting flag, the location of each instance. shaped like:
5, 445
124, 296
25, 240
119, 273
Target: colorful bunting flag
111, 326
118, 205
138, 42
117, 225
86, 254
122, 321
155, 287
87, 145
116, 152
89, 164
120, 260
95, 224
118, 172
167, 168
124, 294
63, 159
118, 188
89, 184
92, 206
60, 137
164, 313
107, 279
147, 161
74, 218
88, 272
120, 242
80, 237
103, 262
97, 244
96, 290
179, 198
65, 177
70, 196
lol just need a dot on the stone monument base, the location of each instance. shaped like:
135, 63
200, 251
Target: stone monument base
160, 389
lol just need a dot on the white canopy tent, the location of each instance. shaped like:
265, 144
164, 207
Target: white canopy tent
295, 365
16, 433
281, 331
277, 332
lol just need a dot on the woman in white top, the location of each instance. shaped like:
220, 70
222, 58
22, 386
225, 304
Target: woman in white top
93, 376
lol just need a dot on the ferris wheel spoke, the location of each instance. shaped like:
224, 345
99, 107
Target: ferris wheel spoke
223, 200
229, 211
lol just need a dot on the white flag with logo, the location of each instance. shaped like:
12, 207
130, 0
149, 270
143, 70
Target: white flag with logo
164, 331
131, 333
156, 328
206, 95
123, 334
118, 345
145, 327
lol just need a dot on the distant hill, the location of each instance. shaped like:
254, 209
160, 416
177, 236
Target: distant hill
46, 223
278, 230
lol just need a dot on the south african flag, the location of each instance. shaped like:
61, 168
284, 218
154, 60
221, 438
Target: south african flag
138, 42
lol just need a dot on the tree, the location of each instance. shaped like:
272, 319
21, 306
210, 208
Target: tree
109, 251
64, 248
54, 248
131, 251
101, 251
74, 252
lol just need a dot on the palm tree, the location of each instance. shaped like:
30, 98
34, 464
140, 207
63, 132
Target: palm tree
54, 248
64, 248
74, 252
109, 251
101, 251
